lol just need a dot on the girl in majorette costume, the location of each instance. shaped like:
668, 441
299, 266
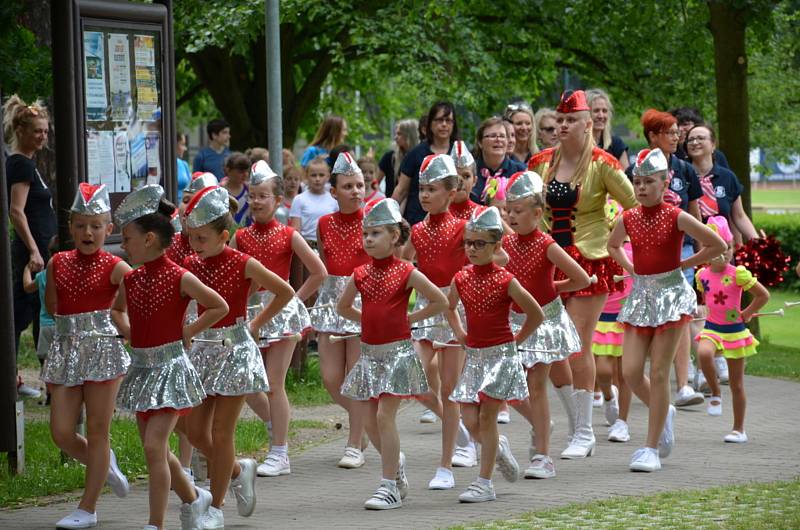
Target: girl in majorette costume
722, 285
493, 371
161, 384
437, 243
389, 368
340, 247
533, 258
661, 303
578, 178
226, 356
86, 362
462, 206
273, 244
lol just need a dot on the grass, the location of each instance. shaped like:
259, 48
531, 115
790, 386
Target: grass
782, 331
749, 506
767, 198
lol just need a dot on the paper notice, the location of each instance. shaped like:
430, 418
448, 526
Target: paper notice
94, 75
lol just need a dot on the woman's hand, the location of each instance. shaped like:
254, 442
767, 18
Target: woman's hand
36, 262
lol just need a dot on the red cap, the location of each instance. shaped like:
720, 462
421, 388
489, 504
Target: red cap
572, 101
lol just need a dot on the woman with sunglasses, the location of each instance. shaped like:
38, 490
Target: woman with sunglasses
545, 132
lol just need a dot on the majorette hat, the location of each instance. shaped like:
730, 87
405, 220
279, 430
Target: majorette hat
524, 184
486, 220
139, 203
572, 101
199, 181
435, 168
209, 204
346, 165
381, 212
461, 155
91, 200
650, 162
175, 220
260, 172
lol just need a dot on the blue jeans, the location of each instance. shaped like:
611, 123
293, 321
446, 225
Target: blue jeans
686, 251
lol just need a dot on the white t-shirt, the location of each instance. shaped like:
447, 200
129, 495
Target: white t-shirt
309, 207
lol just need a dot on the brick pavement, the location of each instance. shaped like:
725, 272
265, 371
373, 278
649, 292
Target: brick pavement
319, 495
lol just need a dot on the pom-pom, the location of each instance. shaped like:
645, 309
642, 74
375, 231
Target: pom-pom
764, 258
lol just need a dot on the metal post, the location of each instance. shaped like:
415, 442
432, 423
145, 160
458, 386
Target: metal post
274, 105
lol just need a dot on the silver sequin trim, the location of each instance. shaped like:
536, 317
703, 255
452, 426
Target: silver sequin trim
556, 334
393, 368
443, 333
656, 299
496, 372
293, 317
327, 320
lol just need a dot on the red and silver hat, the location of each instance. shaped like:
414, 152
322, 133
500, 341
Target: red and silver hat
381, 212
650, 162
139, 203
209, 204
461, 155
199, 181
572, 101
435, 168
91, 200
260, 172
524, 184
175, 221
346, 165
485, 220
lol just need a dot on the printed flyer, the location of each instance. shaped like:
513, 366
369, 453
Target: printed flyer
95, 76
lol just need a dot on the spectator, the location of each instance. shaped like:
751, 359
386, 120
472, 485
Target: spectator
334, 154
288, 158
602, 112
422, 127
184, 175
332, 132
545, 129
257, 153
491, 158
292, 176
370, 170
313, 203
406, 136
521, 116
512, 139
237, 171
687, 118
212, 157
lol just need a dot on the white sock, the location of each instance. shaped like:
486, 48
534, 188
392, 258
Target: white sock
282, 450
485, 481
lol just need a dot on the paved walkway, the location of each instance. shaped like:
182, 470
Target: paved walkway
320, 495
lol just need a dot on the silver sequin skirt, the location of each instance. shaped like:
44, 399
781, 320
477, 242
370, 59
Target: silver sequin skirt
392, 368
78, 355
657, 299
160, 377
442, 332
327, 320
496, 372
555, 339
234, 370
293, 317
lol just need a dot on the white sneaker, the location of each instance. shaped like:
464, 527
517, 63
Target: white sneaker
597, 401
116, 479
352, 458
243, 487
428, 417
505, 461
28, 391
714, 406
736, 437
274, 465
477, 492
401, 479
503, 417
192, 512
213, 519
645, 459
686, 396
722, 369
619, 432
611, 407
532, 449
386, 497
541, 467
442, 480
465, 456
78, 519
667, 439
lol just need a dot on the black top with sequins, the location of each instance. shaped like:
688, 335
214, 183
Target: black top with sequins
562, 198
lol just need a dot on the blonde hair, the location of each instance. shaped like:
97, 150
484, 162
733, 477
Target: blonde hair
330, 132
595, 93
532, 147
583, 162
544, 112
409, 129
16, 114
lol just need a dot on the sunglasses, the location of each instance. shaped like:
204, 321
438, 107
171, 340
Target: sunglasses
549, 130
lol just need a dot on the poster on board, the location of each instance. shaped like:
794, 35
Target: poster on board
122, 162
145, 72
120, 77
94, 75
100, 158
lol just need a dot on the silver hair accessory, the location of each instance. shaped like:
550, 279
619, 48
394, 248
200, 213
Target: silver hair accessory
649, 162
382, 212
199, 181
208, 205
461, 155
175, 221
488, 219
91, 200
524, 184
139, 203
260, 172
346, 165
435, 168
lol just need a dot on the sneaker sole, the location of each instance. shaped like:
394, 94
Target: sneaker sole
618, 439
348, 465
474, 500
643, 469
280, 473
383, 506
531, 475
696, 400
440, 487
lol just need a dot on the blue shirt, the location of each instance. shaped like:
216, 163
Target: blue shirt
312, 152
45, 318
727, 189
209, 160
410, 167
506, 169
184, 176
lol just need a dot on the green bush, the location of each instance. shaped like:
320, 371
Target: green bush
786, 229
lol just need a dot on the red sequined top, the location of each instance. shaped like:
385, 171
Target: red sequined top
528, 262
439, 242
179, 249
463, 210
155, 305
384, 300
484, 292
340, 235
225, 274
83, 281
269, 243
655, 237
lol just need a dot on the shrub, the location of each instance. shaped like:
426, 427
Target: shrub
786, 229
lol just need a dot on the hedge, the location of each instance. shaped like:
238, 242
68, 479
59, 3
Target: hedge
786, 229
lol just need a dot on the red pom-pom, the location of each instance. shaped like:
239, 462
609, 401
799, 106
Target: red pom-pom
764, 258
